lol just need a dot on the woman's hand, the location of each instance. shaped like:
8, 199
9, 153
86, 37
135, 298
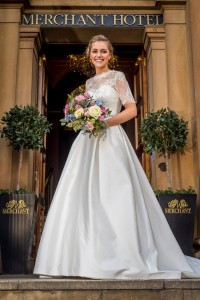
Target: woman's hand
128, 113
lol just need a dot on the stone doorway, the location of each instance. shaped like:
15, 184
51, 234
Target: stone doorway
62, 80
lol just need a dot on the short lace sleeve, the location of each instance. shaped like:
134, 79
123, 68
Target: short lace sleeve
123, 89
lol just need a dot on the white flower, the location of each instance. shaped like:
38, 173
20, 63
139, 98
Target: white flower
94, 111
78, 113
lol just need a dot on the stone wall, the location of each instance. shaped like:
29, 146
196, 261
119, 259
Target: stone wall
75, 289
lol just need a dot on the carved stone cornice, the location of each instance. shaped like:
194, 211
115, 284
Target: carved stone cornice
10, 13
171, 2
174, 10
31, 38
24, 3
154, 39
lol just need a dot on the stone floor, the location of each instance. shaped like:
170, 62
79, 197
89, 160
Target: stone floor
32, 287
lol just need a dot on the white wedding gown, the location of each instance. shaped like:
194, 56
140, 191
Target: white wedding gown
105, 221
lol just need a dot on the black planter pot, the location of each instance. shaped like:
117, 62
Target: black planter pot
17, 219
180, 210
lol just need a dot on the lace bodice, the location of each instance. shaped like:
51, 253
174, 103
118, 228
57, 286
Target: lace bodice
112, 87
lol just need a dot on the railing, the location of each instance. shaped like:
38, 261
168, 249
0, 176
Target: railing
42, 210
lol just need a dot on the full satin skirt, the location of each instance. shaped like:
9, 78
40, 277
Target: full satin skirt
105, 221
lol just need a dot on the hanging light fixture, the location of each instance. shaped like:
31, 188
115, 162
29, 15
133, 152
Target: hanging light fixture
79, 63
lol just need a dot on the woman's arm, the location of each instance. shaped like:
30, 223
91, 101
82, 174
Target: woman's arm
128, 113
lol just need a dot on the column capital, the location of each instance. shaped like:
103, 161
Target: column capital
174, 11
10, 13
31, 38
154, 38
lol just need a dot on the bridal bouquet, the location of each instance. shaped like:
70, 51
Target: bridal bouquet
85, 113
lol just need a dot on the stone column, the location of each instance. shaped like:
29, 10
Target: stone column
154, 44
29, 46
193, 23
9, 43
27, 93
179, 88
169, 86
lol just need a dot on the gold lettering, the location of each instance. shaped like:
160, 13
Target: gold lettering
14, 207
140, 19
27, 21
48, 19
81, 20
38, 19
157, 19
102, 18
116, 19
69, 19
129, 16
56, 21
9, 211
23, 211
178, 210
150, 19
89, 18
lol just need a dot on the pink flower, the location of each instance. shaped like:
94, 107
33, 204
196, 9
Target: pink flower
86, 95
89, 126
101, 118
87, 114
79, 98
92, 103
77, 106
103, 109
66, 109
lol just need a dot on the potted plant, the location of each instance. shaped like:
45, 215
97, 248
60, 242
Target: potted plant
166, 133
24, 128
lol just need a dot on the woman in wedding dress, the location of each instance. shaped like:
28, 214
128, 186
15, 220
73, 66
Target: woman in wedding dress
105, 221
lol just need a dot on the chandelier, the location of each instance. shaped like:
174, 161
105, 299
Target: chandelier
80, 63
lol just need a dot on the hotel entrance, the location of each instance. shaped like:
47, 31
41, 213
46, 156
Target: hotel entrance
62, 78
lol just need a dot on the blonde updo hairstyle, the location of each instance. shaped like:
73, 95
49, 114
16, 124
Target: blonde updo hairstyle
98, 38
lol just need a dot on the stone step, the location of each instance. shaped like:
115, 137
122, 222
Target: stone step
31, 287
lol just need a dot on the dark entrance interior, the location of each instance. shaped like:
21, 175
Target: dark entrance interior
62, 81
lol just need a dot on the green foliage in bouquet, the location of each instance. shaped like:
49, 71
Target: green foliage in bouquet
77, 91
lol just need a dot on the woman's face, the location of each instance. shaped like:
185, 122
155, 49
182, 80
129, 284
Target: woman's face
100, 55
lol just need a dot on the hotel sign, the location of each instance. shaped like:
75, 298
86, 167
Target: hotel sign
91, 20
16, 207
176, 206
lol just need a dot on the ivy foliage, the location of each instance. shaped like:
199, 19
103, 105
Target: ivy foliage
163, 131
24, 127
189, 190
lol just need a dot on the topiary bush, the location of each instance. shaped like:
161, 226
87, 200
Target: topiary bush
165, 132
24, 128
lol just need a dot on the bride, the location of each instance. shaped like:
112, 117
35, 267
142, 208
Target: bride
105, 221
